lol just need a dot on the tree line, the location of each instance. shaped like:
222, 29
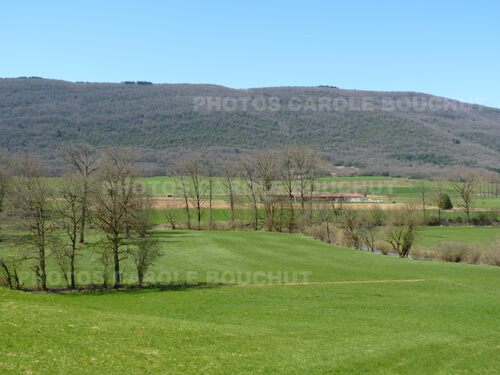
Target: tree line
101, 191
279, 190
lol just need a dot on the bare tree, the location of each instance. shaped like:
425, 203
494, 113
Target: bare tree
267, 171
400, 231
249, 175
464, 185
325, 216
306, 162
228, 183
141, 212
9, 269
145, 251
350, 224
106, 259
313, 163
83, 159
72, 191
210, 182
288, 181
369, 228
31, 199
437, 196
186, 198
197, 191
113, 204
172, 216
422, 192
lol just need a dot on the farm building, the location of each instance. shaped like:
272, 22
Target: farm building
340, 197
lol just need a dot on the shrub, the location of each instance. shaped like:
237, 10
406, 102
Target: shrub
484, 218
384, 248
317, 231
444, 202
419, 253
474, 254
492, 256
452, 251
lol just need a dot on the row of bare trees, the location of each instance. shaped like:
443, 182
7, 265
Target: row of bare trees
371, 230
99, 190
292, 169
467, 187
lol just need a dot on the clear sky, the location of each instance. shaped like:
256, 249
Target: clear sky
448, 48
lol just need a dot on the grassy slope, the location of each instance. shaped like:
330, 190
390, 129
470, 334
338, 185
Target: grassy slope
446, 324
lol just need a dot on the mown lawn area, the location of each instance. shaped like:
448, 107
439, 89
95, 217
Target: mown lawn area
438, 318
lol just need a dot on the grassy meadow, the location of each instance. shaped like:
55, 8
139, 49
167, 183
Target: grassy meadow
357, 313
245, 302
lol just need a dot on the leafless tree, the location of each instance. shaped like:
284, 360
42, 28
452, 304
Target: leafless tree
185, 196
305, 163
230, 173
106, 259
9, 269
369, 228
144, 252
198, 188
267, 171
172, 216
350, 224
401, 231
422, 192
114, 202
31, 199
72, 191
82, 158
326, 215
288, 175
141, 212
312, 167
249, 176
210, 182
464, 185
438, 192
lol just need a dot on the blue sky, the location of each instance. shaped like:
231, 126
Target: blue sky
448, 48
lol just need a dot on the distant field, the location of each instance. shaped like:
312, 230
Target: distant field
390, 189
430, 236
441, 318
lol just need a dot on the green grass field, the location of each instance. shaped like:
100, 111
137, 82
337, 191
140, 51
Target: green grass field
446, 323
430, 236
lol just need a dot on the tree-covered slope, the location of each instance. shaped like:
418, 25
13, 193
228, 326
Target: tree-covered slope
378, 132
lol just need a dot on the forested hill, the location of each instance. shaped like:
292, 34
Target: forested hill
394, 133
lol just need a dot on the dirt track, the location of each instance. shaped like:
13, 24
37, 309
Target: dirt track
219, 203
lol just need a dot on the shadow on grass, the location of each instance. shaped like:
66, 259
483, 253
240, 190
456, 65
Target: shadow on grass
173, 234
100, 290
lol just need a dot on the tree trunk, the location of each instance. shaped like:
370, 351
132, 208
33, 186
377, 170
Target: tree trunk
255, 213
43, 274
199, 217
116, 257
140, 278
72, 267
82, 225
328, 232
